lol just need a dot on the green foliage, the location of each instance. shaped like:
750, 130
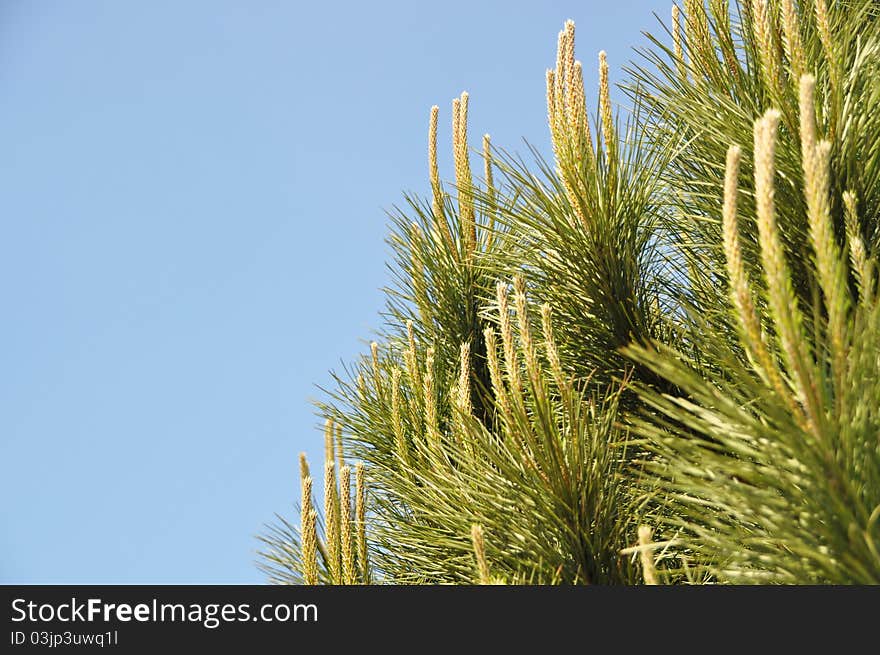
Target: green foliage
599, 264
548, 483
773, 482
675, 324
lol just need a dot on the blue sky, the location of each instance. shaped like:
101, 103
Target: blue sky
192, 202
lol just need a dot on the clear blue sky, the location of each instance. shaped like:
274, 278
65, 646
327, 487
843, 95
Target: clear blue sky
192, 201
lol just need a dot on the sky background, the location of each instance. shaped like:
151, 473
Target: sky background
192, 203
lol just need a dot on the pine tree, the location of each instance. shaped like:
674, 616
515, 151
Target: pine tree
654, 359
